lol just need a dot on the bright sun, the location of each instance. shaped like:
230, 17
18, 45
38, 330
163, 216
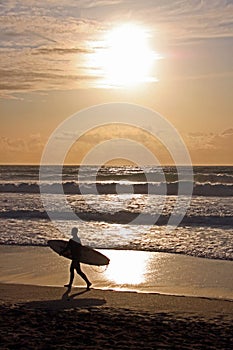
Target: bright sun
126, 58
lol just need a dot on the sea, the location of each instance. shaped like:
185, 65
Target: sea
106, 202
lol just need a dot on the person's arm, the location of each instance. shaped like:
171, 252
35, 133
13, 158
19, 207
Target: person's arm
65, 249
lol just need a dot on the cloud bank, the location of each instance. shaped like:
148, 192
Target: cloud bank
204, 148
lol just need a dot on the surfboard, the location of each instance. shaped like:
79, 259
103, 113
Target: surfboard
88, 255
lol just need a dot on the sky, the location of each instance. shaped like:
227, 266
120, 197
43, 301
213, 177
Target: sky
59, 57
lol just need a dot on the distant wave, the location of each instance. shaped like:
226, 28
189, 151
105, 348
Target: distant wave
200, 189
214, 178
170, 177
121, 217
214, 175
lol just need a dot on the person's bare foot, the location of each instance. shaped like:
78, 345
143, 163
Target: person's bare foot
89, 285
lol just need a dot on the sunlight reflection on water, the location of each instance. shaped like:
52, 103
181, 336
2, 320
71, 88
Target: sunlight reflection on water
127, 267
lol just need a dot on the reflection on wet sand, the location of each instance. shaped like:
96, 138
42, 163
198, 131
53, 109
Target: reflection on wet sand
127, 268
138, 271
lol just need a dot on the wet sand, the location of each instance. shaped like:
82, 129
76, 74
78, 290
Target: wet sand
49, 317
140, 271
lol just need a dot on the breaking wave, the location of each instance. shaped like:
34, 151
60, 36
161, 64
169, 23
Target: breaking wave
199, 189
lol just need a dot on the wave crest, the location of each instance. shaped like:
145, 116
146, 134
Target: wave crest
199, 189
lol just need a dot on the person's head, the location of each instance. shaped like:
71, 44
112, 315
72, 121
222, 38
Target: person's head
75, 237
74, 231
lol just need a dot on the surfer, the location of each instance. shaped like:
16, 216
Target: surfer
74, 245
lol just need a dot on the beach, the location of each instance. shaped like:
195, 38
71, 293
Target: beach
162, 289
35, 315
116, 134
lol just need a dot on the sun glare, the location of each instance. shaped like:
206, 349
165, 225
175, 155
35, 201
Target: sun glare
126, 58
127, 267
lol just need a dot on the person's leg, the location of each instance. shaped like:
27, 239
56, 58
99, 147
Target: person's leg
82, 274
69, 285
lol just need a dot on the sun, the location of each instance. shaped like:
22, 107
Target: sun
126, 58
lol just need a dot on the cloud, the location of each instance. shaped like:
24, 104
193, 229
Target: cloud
204, 148
181, 19
224, 140
43, 46
21, 150
199, 140
12, 145
60, 51
47, 45
22, 81
210, 148
33, 143
227, 132
101, 3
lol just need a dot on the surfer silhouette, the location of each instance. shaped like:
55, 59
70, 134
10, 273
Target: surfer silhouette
74, 245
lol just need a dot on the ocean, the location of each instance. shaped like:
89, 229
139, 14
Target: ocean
107, 202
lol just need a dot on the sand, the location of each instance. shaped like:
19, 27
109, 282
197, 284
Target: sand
35, 317
138, 271
49, 317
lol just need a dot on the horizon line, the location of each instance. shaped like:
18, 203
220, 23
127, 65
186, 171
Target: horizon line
117, 165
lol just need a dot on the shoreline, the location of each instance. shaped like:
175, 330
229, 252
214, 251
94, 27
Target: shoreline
36, 316
48, 297
213, 258
135, 271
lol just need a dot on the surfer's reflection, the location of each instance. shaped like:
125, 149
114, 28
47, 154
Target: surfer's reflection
74, 245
